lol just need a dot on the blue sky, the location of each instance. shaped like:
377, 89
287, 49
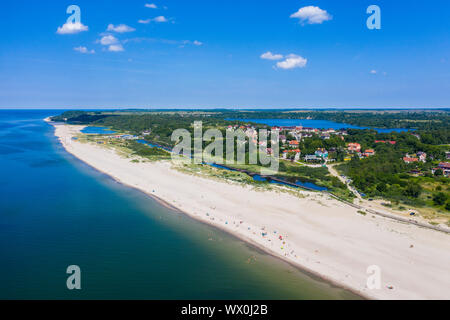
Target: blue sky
207, 54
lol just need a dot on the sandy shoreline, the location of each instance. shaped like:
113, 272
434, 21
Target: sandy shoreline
319, 234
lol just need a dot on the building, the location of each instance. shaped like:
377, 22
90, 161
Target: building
422, 156
354, 147
444, 166
321, 153
382, 141
297, 154
409, 159
369, 153
312, 157
251, 132
293, 143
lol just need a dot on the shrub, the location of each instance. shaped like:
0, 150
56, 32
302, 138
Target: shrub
440, 198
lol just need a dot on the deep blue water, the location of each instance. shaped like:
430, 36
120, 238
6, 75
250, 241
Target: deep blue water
259, 178
309, 185
317, 124
55, 211
256, 177
151, 145
97, 130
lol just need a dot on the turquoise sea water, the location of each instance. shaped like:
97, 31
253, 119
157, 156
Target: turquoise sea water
55, 211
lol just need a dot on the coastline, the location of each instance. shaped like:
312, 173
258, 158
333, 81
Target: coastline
334, 242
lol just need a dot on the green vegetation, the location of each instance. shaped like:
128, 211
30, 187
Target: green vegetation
423, 120
383, 175
144, 151
159, 125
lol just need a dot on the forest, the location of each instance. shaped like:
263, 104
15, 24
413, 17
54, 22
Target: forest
383, 175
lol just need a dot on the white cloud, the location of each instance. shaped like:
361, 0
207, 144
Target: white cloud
121, 28
151, 5
72, 28
112, 43
374, 72
116, 48
184, 43
84, 50
311, 15
160, 19
108, 40
179, 43
292, 61
270, 56
157, 19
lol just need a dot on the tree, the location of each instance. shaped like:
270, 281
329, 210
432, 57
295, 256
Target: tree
440, 198
413, 190
381, 187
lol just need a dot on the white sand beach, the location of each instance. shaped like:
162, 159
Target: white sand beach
318, 234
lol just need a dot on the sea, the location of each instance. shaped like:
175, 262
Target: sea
56, 211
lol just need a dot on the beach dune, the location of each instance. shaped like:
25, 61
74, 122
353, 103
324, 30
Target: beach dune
314, 232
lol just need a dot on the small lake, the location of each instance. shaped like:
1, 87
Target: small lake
316, 124
97, 130
152, 145
257, 177
300, 184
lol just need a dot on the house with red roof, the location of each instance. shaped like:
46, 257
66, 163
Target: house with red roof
369, 153
408, 159
382, 141
422, 156
444, 166
354, 147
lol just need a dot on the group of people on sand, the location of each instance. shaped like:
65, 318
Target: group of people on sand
284, 246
